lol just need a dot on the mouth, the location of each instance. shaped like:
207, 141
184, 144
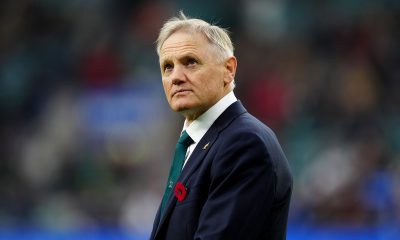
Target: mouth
180, 91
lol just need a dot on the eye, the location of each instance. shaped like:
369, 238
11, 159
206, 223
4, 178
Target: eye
167, 67
191, 61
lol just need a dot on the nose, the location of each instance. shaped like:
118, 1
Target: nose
178, 75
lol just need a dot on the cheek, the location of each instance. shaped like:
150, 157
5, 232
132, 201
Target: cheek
165, 85
167, 89
213, 83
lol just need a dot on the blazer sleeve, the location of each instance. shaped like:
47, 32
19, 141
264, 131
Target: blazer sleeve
241, 193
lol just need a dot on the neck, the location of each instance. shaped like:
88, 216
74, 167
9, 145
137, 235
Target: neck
190, 116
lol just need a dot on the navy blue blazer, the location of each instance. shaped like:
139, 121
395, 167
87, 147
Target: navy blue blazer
238, 185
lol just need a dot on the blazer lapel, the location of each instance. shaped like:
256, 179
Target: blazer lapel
155, 225
198, 155
209, 138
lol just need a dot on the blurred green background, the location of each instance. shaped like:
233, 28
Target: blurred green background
87, 136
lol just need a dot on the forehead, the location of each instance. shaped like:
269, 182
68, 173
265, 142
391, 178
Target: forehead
181, 43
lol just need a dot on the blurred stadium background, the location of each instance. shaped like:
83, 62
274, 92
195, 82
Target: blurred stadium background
86, 134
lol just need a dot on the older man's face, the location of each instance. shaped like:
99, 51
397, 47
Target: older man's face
192, 76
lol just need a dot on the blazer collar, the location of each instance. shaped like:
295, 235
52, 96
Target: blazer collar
199, 153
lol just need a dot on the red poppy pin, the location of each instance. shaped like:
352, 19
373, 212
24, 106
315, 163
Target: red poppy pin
180, 191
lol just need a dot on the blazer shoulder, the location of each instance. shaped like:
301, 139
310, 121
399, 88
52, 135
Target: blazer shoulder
246, 126
250, 125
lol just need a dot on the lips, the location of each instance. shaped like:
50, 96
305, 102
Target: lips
180, 91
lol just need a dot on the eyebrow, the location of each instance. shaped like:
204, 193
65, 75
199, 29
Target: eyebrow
180, 57
164, 60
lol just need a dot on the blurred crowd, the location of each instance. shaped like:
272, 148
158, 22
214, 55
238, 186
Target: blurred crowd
87, 136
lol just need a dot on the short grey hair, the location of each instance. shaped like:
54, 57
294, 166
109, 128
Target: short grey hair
217, 36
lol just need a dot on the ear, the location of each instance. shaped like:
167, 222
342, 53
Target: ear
230, 70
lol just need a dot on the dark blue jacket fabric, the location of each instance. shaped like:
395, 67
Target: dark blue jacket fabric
238, 185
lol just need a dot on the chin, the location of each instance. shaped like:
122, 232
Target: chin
184, 107
180, 107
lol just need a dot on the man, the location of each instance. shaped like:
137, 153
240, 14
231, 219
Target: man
229, 177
